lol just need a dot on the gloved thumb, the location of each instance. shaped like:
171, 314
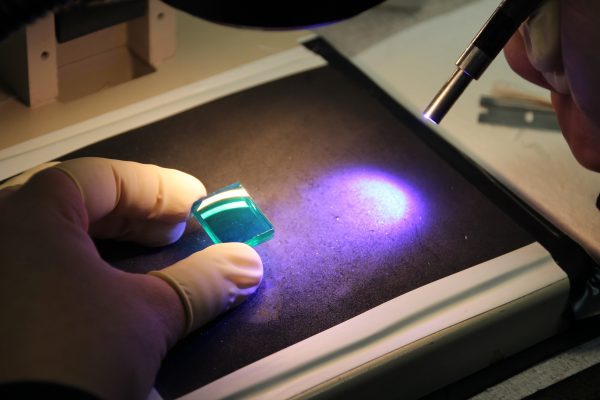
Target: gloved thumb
541, 37
213, 280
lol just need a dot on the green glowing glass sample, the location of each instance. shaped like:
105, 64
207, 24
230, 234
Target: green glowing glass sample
230, 215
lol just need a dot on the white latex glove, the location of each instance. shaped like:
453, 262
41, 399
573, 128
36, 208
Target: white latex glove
70, 318
558, 49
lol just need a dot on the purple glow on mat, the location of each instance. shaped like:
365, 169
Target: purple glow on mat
381, 197
342, 227
370, 198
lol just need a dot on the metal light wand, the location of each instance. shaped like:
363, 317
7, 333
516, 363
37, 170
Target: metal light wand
480, 53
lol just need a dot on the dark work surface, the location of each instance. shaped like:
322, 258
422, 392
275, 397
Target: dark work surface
581, 386
584, 385
363, 212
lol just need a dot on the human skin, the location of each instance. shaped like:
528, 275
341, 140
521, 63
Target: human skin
575, 93
72, 319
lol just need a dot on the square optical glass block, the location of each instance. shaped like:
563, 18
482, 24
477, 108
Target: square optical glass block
230, 215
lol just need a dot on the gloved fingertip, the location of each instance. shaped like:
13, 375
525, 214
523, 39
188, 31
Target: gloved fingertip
559, 81
243, 257
189, 188
214, 280
541, 36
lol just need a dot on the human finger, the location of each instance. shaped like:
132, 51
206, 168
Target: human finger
541, 35
579, 113
131, 201
213, 280
557, 49
581, 132
517, 58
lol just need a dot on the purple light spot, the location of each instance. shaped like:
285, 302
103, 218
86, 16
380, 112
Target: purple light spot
386, 202
344, 225
369, 199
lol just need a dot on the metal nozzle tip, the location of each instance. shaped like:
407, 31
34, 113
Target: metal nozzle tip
428, 117
447, 96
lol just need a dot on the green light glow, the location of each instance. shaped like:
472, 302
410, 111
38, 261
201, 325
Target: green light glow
231, 215
223, 207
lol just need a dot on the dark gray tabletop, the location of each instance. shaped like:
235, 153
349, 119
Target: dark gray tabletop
363, 212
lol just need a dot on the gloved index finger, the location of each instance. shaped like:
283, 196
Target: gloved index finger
121, 191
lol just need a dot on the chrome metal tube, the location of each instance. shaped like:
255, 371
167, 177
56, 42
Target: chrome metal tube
480, 53
447, 96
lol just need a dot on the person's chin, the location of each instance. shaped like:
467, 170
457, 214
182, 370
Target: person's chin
581, 132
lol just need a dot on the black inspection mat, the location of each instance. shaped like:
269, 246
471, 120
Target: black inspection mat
363, 212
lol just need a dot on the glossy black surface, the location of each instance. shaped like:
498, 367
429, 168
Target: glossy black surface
274, 14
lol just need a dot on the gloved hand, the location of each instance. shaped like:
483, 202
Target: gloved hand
68, 317
558, 50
